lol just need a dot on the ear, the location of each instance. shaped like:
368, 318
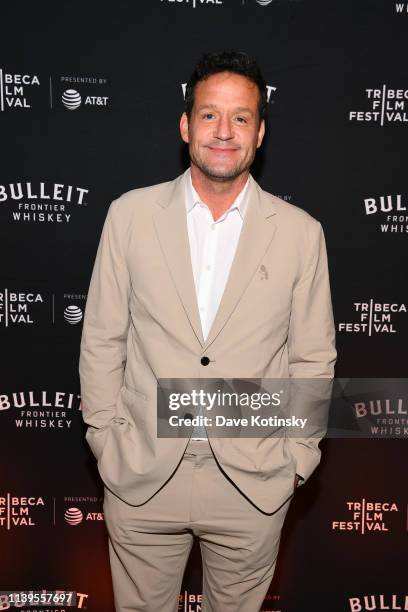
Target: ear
184, 127
261, 133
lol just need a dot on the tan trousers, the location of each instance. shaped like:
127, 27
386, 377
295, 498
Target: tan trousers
149, 545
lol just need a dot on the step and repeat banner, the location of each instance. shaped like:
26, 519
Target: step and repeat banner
90, 99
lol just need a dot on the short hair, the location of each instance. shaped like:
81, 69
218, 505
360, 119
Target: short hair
237, 62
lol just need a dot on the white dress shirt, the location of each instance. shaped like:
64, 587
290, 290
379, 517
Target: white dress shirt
212, 248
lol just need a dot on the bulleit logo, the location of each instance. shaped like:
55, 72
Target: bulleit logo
42, 202
382, 417
376, 603
386, 105
367, 516
389, 210
374, 318
19, 511
41, 409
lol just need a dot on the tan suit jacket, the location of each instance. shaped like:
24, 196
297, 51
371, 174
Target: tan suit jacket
142, 323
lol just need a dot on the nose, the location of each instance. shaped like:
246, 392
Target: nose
223, 128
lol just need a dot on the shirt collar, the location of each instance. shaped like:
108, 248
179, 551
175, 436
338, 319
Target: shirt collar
192, 197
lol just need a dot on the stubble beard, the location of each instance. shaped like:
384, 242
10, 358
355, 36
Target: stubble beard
220, 175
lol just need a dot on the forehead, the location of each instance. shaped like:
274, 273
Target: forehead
226, 89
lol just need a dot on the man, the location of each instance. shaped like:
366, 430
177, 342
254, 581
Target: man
205, 276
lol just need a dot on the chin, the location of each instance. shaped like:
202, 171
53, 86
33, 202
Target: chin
222, 174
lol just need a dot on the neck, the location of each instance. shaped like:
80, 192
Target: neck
218, 195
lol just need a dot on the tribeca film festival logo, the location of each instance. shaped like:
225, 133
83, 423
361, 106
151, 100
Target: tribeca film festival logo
367, 516
16, 90
50, 410
42, 202
269, 90
27, 308
83, 512
17, 511
374, 318
21, 308
388, 208
386, 106
19, 91
192, 602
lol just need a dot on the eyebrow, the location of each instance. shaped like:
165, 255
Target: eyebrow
239, 109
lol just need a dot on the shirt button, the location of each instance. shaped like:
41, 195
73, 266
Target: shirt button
205, 360
208, 267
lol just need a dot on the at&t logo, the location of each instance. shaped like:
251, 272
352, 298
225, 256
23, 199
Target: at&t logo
74, 516
72, 100
73, 314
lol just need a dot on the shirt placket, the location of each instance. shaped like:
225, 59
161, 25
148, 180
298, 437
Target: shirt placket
208, 267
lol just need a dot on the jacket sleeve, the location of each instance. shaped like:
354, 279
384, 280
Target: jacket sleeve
311, 350
105, 328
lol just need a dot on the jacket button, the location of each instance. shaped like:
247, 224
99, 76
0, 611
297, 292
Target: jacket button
204, 360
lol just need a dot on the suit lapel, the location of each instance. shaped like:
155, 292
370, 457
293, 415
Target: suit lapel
256, 234
170, 220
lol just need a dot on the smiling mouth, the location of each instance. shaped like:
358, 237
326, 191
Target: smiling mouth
222, 150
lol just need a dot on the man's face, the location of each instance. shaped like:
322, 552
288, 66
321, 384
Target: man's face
224, 131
